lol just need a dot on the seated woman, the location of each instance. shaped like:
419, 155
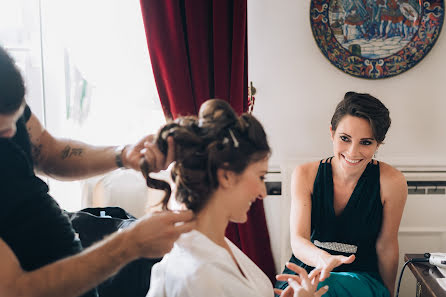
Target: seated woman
221, 163
346, 210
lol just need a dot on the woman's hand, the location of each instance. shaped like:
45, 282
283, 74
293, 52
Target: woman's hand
328, 264
302, 284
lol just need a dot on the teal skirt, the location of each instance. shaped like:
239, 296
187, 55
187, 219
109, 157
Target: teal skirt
353, 284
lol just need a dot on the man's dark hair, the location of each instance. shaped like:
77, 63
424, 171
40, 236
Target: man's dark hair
12, 86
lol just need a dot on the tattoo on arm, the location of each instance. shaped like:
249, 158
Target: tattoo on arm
68, 151
36, 153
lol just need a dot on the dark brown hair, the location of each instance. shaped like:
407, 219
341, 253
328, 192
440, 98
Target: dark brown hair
367, 107
217, 138
12, 87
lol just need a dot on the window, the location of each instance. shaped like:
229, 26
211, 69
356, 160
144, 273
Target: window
20, 35
98, 85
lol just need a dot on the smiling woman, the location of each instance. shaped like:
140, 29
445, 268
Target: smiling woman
221, 161
358, 127
346, 210
353, 143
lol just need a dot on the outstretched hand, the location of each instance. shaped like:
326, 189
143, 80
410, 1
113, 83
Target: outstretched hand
147, 149
302, 284
328, 264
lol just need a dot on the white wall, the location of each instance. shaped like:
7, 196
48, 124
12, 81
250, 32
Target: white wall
298, 89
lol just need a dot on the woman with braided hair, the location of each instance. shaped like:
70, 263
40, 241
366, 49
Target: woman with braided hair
221, 163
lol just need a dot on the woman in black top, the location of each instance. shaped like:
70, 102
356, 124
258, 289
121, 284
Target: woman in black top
346, 210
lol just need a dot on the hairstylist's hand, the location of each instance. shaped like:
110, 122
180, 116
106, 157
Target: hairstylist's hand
302, 284
153, 235
147, 149
328, 264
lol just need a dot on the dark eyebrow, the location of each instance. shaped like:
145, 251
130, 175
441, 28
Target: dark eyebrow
367, 138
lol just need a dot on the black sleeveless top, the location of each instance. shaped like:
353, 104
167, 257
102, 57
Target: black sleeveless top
355, 230
31, 222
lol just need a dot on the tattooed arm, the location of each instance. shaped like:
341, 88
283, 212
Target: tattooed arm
67, 159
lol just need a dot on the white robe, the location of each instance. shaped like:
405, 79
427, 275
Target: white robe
198, 267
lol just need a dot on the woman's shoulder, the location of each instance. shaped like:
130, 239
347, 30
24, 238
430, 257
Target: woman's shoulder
393, 182
306, 168
190, 262
389, 173
195, 252
307, 171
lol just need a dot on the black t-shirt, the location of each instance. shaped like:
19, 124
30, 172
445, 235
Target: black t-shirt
21, 137
31, 221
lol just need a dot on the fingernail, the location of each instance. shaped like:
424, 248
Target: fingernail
326, 287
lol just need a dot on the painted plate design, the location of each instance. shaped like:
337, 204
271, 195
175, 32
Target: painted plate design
376, 38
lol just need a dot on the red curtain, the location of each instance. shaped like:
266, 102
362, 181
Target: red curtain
198, 50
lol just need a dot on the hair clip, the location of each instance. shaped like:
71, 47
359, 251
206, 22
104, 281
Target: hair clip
236, 144
165, 134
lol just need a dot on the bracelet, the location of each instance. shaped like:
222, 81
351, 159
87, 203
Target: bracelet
118, 156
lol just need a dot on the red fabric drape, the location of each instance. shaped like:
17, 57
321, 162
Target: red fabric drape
198, 50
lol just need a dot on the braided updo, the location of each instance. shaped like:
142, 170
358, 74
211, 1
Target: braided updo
218, 138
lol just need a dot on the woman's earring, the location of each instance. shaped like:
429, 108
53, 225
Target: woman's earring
374, 155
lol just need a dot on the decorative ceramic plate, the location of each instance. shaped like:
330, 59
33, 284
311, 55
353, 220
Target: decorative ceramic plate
376, 38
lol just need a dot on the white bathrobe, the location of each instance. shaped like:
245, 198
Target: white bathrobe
197, 267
